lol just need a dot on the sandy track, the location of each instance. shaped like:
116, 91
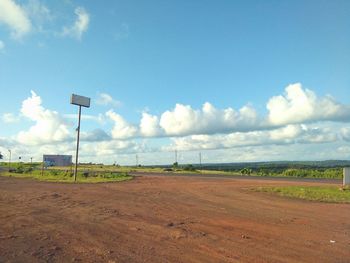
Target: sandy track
167, 219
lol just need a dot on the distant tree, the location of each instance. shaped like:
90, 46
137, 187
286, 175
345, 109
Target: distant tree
175, 165
1, 156
246, 171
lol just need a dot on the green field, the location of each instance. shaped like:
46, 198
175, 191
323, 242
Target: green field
331, 194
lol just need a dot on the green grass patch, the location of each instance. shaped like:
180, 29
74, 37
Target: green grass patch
67, 176
330, 194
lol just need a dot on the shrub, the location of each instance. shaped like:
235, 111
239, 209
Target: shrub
189, 168
54, 172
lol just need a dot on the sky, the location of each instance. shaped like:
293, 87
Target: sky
236, 81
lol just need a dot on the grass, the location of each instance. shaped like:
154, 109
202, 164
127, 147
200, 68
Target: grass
100, 168
64, 176
330, 194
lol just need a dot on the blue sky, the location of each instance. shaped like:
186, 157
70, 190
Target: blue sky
136, 58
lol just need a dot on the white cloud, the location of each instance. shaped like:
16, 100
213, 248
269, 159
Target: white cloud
49, 126
122, 129
149, 125
291, 134
110, 148
14, 16
107, 100
80, 25
300, 105
188, 129
183, 120
345, 134
9, 118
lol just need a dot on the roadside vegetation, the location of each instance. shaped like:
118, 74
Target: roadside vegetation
64, 175
331, 194
326, 169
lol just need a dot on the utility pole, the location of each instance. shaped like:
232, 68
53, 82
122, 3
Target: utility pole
137, 160
31, 161
200, 160
175, 156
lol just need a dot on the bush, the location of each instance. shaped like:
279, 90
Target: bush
29, 170
246, 171
19, 169
189, 168
54, 172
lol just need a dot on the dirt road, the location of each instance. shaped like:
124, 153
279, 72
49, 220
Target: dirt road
167, 219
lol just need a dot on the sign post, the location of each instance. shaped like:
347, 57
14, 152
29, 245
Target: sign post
80, 101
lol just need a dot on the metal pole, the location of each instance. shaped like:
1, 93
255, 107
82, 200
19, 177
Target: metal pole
200, 161
77, 151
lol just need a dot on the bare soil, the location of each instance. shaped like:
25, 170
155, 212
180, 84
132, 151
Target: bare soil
167, 219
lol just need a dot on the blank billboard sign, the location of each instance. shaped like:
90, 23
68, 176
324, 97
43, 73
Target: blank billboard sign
80, 100
57, 160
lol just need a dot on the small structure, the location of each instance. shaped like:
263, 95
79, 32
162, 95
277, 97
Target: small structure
57, 160
346, 176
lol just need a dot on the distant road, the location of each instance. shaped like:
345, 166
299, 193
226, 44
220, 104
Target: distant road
241, 177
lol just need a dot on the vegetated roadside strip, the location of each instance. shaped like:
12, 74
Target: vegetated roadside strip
329, 194
239, 176
59, 178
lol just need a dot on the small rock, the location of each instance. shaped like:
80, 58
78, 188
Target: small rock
170, 224
245, 237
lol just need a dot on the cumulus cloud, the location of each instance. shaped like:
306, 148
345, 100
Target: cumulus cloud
107, 100
291, 134
292, 119
149, 125
49, 126
300, 105
183, 120
15, 18
296, 106
80, 25
121, 129
111, 148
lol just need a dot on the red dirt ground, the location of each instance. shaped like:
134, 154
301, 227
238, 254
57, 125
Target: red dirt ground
167, 219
